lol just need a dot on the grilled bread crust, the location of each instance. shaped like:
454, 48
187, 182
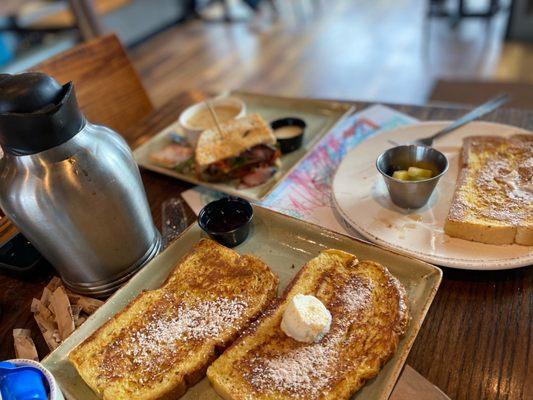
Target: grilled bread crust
238, 136
163, 341
493, 199
369, 311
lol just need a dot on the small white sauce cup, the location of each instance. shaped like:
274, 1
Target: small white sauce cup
55, 391
192, 132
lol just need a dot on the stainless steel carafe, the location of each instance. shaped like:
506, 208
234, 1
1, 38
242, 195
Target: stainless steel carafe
72, 187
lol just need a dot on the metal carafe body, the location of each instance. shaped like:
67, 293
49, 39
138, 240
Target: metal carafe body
82, 204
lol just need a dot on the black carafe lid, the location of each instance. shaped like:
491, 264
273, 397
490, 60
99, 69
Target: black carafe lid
36, 113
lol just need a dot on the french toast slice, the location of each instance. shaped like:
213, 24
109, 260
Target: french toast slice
163, 341
493, 199
369, 315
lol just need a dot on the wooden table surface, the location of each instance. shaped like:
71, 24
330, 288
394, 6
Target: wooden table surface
476, 341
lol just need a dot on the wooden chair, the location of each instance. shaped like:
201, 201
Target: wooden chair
108, 88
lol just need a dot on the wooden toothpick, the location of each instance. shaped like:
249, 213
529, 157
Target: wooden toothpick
215, 118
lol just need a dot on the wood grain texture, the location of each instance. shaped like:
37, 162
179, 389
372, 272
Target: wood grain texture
477, 92
367, 49
108, 89
411, 385
476, 342
15, 301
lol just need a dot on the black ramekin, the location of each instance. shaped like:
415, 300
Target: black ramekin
226, 208
290, 144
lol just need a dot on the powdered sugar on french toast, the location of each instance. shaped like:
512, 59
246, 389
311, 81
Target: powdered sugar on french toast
356, 295
196, 321
146, 348
503, 172
304, 372
509, 188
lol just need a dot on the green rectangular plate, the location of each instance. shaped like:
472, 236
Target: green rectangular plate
285, 244
320, 116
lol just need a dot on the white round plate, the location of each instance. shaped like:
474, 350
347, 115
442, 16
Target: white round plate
362, 199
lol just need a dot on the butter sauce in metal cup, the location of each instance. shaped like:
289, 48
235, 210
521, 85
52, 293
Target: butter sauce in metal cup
411, 194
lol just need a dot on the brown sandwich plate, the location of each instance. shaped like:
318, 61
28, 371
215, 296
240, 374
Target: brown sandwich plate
319, 115
285, 244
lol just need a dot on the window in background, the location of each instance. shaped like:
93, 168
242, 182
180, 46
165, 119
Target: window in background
32, 31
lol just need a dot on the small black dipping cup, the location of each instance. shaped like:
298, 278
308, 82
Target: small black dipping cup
227, 220
288, 145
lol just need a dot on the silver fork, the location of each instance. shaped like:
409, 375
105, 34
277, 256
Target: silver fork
476, 113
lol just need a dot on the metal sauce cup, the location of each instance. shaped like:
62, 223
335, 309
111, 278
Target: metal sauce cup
411, 194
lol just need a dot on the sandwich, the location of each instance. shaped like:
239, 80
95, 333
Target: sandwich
241, 150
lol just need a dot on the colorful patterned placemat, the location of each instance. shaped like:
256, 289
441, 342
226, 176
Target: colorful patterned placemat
306, 192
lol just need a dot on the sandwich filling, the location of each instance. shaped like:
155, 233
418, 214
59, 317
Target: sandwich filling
252, 167
242, 150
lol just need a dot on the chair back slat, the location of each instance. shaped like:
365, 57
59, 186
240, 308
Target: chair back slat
107, 86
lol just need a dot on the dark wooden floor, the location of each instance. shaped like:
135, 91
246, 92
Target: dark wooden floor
378, 50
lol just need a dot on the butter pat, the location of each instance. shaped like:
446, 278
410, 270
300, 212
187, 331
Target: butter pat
306, 319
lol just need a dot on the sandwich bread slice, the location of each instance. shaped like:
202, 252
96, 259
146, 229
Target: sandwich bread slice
243, 149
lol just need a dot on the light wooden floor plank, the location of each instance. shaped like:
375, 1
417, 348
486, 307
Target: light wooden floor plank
378, 50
